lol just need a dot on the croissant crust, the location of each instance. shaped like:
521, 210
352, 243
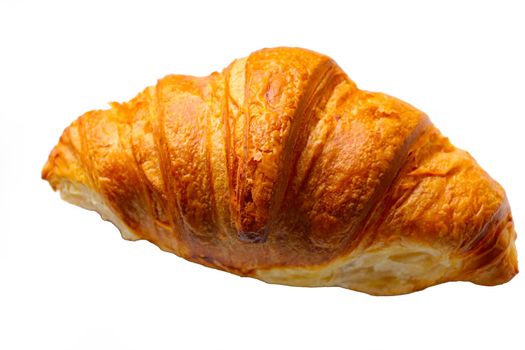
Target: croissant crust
280, 168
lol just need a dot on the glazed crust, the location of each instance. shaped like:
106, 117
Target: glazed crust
280, 168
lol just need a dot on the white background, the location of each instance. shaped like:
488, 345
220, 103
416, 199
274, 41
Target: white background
67, 279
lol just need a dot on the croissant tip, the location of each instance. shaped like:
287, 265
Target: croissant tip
505, 267
48, 169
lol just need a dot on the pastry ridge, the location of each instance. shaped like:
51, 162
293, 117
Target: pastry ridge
280, 168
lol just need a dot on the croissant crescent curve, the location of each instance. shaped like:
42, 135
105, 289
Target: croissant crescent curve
280, 168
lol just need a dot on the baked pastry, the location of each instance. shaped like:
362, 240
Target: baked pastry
280, 168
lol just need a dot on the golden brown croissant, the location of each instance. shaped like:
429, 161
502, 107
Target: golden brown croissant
280, 168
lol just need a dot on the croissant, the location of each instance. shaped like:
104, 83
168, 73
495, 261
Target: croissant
281, 169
